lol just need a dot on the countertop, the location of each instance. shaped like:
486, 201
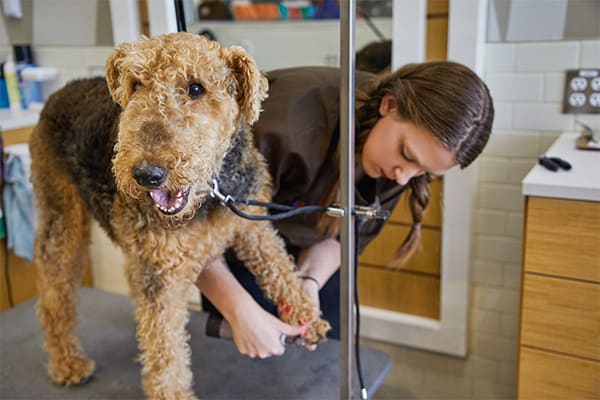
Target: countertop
582, 182
15, 119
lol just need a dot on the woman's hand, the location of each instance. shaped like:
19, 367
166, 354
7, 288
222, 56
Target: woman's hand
256, 333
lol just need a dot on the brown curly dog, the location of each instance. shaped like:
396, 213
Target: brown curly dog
139, 151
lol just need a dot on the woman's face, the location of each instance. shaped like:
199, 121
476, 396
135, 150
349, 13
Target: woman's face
399, 150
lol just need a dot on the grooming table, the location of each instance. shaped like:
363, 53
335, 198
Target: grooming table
107, 331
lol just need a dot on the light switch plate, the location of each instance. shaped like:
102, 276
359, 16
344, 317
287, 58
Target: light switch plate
582, 91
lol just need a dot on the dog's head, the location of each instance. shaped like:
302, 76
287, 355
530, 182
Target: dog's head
184, 99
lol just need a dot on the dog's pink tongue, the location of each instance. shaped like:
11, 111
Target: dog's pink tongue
162, 198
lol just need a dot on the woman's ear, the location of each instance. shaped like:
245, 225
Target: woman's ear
114, 68
388, 103
250, 84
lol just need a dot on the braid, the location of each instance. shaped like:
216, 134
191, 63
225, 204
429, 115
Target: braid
418, 201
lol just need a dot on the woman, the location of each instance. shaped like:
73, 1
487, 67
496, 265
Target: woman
412, 124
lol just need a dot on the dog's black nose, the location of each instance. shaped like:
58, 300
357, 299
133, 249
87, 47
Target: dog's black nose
149, 175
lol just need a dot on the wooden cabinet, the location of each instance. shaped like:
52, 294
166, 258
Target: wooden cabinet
18, 277
559, 344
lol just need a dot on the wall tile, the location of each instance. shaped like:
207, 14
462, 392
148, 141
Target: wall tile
518, 168
487, 273
496, 299
493, 169
554, 87
513, 144
486, 321
507, 373
547, 139
500, 197
512, 276
478, 367
502, 116
547, 56
516, 87
494, 346
490, 222
514, 225
509, 325
543, 116
500, 57
590, 54
498, 248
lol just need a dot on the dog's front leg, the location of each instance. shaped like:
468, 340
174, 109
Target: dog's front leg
263, 253
161, 314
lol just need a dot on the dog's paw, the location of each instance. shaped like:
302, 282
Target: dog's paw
71, 371
317, 332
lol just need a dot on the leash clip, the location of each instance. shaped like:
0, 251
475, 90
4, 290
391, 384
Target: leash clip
371, 213
359, 211
216, 194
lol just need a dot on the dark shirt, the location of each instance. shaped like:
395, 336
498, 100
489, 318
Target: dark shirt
298, 133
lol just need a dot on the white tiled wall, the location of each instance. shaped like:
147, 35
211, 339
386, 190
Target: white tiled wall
526, 81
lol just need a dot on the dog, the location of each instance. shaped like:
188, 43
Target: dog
138, 151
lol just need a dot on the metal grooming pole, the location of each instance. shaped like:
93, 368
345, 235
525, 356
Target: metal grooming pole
347, 59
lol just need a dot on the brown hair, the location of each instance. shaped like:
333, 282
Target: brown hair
446, 98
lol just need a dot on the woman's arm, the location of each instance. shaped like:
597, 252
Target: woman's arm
255, 331
320, 261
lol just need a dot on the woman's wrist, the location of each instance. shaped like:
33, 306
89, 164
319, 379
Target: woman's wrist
311, 279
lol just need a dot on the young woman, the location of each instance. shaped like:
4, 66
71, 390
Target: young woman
412, 124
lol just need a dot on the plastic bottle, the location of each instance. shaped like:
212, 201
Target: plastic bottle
12, 83
24, 59
4, 103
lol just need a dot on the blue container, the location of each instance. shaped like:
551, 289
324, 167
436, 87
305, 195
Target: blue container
4, 103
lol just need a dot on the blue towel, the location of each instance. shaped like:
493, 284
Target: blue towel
19, 202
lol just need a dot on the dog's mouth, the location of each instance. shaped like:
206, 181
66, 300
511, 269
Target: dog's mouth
170, 203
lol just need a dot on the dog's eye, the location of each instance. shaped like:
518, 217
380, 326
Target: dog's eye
195, 90
137, 86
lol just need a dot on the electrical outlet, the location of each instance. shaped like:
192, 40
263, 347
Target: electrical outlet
582, 91
577, 99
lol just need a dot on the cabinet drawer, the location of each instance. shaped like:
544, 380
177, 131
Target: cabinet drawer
553, 376
561, 315
426, 258
562, 238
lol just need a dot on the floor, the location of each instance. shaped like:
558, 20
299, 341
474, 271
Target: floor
424, 375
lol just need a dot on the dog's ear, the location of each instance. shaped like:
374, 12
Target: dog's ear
114, 67
250, 84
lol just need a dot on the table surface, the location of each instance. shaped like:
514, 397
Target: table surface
582, 182
107, 332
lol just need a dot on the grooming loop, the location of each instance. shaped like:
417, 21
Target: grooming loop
290, 211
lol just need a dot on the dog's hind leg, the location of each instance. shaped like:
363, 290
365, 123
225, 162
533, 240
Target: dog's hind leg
62, 234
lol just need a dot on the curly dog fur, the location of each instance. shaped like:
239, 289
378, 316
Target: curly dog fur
138, 152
